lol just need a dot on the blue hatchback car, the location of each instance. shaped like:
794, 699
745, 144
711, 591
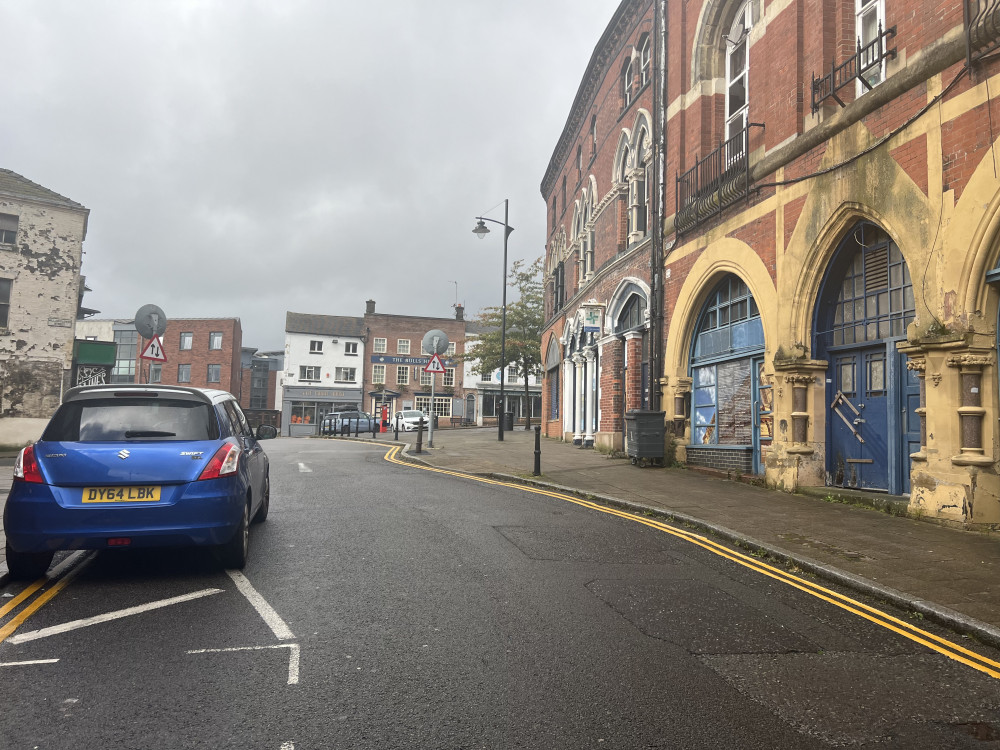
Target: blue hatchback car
138, 466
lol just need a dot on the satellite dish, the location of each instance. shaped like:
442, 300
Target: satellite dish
150, 321
435, 342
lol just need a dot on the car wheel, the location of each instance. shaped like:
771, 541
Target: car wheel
233, 554
26, 565
265, 504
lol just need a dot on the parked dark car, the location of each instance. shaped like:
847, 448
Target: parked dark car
346, 422
138, 466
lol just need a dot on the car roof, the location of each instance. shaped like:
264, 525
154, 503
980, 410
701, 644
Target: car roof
125, 390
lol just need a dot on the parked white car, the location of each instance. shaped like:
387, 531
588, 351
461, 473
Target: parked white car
409, 420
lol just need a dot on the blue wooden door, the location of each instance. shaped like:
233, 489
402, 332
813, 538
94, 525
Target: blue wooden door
858, 418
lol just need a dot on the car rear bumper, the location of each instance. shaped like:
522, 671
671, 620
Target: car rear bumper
205, 513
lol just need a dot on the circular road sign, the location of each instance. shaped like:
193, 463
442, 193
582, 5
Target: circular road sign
150, 321
435, 342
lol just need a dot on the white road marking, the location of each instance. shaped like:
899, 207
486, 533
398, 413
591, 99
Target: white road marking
28, 663
287, 746
86, 622
303, 469
265, 610
293, 656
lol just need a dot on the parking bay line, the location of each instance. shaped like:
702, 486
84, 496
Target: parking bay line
27, 663
293, 656
265, 610
97, 619
303, 469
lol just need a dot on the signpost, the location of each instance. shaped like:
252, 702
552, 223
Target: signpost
151, 323
434, 343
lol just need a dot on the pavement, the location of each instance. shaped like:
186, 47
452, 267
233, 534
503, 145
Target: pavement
948, 575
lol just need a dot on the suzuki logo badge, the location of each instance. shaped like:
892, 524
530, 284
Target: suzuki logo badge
123, 454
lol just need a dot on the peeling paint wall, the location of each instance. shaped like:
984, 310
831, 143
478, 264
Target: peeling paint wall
36, 347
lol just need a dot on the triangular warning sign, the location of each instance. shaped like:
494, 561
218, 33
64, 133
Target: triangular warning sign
154, 350
435, 365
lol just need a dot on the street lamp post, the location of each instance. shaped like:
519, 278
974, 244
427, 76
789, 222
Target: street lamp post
481, 231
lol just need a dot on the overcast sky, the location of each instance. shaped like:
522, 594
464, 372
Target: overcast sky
242, 159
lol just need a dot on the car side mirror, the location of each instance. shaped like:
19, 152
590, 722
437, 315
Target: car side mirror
267, 432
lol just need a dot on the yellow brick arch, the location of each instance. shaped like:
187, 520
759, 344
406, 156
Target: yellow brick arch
723, 257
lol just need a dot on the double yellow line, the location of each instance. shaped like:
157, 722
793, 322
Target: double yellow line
876, 616
52, 585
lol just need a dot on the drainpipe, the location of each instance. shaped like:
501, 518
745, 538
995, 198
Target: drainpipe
656, 298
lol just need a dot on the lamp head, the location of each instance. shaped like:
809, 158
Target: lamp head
481, 229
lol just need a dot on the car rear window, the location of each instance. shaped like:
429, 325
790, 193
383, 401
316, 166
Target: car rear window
121, 419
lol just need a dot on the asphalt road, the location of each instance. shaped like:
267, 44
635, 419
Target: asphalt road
386, 606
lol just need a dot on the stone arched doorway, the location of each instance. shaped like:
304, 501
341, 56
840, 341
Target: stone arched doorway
865, 303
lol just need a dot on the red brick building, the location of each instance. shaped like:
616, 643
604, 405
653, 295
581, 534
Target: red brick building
816, 301
201, 352
394, 363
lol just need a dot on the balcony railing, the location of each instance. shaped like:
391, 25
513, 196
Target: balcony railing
715, 182
860, 66
982, 28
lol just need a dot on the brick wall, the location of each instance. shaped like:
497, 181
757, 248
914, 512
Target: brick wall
722, 459
199, 356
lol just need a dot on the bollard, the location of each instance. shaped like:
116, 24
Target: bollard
374, 424
357, 426
396, 436
420, 436
538, 451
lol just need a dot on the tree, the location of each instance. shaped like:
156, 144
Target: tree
525, 318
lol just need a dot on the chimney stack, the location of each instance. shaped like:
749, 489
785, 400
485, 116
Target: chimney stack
459, 312
370, 307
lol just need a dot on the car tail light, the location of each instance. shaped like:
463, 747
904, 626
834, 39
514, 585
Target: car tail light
119, 541
26, 468
225, 462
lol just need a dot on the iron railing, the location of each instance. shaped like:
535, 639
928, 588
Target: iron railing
715, 182
857, 67
982, 28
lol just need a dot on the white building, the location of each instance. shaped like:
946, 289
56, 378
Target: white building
41, 247
324, 370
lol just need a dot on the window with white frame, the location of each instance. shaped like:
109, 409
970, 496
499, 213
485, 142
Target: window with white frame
345, 374
351, 349
155, 372
449, 376
183, 373
309, 372
379, 346
187, 340
512, 372
215, 340
378, 372
402, 346
215, 373
626, 83
645, 60
442, 405
452, 348
426, 378
870, 21
737, 69
315, 347
403, 375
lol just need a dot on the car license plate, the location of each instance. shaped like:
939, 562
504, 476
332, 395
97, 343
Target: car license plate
136, 494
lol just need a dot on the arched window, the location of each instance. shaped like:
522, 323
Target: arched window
737, 64
626, 83
633, 314
728, 336
645, 68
